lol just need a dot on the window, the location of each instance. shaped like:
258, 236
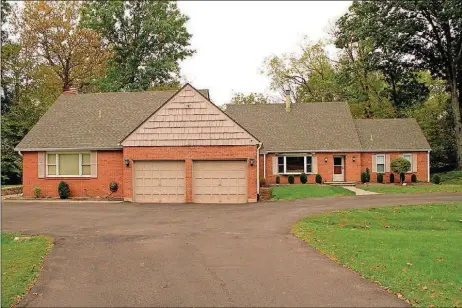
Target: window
281, 164
409, 158
309, 164
380, 163
68, 164
295, 164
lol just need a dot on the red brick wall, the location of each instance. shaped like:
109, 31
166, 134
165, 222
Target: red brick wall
422, 166
352, 170
325, 169
188, 154
110, 167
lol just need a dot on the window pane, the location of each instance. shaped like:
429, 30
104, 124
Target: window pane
68, 164
380, 168
281, 168
295, 164
337, 161
308, 168
281, 160
408, 157
52, 159
51, 170
86, 170
380, 159
85, 159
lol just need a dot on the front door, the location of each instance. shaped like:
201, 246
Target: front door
339, 175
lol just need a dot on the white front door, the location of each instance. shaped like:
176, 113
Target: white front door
339, 175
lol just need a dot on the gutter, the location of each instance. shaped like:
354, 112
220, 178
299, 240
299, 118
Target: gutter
67, 149
349, 151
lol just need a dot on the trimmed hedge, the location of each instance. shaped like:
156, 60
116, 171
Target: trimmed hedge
392, 177
318, 178
63, 190
303, 178
291, 179
380, 177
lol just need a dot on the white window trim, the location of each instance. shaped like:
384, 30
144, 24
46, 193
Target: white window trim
410, 160
377, 163
304, 165
57, 165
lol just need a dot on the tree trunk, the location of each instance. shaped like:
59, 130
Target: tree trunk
457, 121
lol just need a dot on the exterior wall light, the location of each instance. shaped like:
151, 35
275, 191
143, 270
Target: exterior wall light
354, 158
252, 161
127, 162
325, 159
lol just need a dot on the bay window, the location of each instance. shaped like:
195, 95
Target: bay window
68, 164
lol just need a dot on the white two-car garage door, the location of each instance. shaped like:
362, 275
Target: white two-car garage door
159, 181
219, 181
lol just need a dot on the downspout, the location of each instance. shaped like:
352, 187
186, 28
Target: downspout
428, 166
258, 169
20, 154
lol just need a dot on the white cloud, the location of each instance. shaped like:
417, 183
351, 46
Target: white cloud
232, 39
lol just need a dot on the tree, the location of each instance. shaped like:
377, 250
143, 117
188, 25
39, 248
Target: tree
436, 121
251, 99
310, 75
51, 28
400, 165
148, 39
417, 35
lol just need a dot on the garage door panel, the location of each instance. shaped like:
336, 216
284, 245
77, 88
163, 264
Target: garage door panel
159, 181
220, 181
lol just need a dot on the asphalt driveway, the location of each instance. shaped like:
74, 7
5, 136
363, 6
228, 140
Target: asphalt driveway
192, 255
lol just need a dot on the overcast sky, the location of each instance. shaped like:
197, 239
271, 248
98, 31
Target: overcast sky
232, 39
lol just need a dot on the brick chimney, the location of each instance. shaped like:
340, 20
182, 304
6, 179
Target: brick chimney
70, 91
287, 93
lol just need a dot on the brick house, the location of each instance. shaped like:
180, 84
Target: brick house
177, 146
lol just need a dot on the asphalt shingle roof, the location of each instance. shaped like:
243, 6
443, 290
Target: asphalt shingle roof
102, 120
325, 126
309, 127
391, 134
94, 121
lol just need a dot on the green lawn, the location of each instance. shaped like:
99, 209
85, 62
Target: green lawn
451, 177
415, 251
21, 264
291, 192
398, 189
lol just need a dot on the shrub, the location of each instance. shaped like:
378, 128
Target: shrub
436, 179
400, 165
291, 179
303, 178
113, 186
262, 182
318, 178
380, 177
363, 177
278, 179
368, 175
413, 178
392, 177
37, 192
63, 190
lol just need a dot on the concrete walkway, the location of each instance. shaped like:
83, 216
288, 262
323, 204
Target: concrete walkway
360, 192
